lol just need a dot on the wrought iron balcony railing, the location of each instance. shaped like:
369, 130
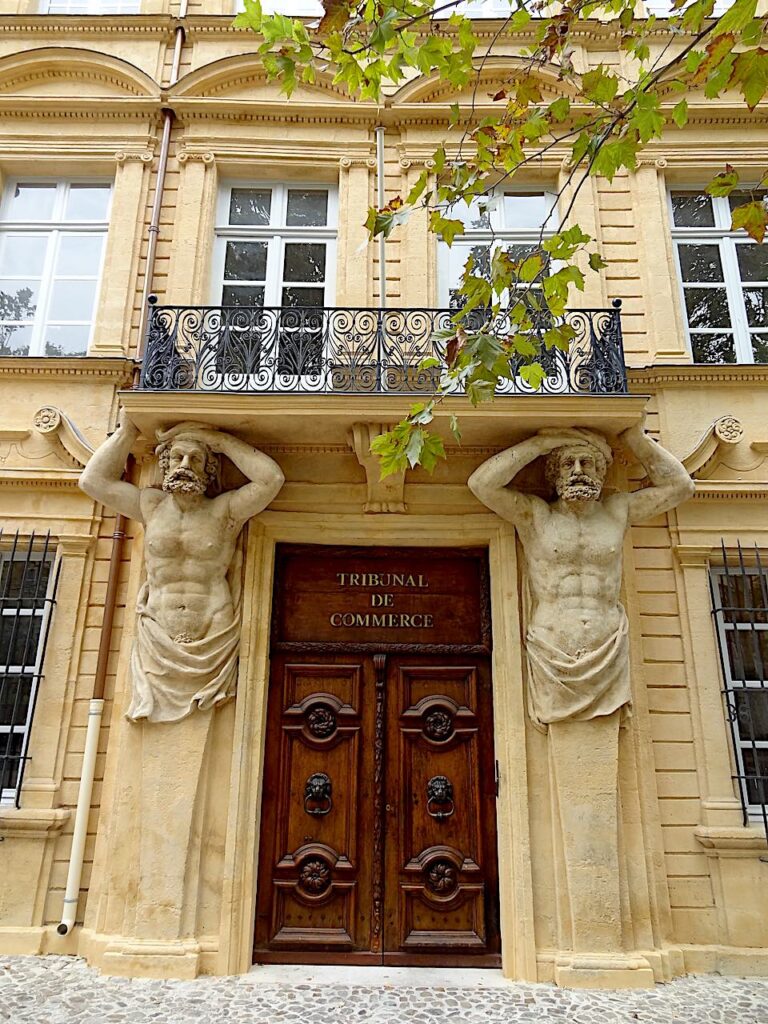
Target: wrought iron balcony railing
370, 351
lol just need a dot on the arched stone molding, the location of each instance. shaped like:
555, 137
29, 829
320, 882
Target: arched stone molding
30, 76
497, 72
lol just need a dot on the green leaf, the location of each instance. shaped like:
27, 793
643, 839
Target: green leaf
533, 374
599, 86
447, 228
559, 109
432, 449
724, 183
750, 73
531, 268
752, 217
454, 424
737, 17
596, 261
680, 113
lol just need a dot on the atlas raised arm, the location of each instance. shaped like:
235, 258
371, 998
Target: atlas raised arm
670, 483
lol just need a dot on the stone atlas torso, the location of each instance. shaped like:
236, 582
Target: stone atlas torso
188, 554
576, 585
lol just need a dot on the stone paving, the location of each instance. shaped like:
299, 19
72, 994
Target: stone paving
63, 990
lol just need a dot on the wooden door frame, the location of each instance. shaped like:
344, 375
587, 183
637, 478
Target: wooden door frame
235, 938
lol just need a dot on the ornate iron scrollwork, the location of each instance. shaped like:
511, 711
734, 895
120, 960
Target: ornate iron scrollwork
317, 795
440, 803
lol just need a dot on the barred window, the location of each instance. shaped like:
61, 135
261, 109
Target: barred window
27, 586
740, 602
91, 6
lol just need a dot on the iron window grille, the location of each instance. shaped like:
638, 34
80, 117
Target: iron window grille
28, 578
740, 608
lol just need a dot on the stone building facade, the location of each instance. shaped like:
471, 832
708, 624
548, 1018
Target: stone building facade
254, 201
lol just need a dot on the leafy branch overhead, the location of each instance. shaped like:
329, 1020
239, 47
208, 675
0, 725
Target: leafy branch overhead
597, 120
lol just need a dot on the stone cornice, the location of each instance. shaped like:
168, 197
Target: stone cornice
751, 841
115, 370
45, 25
653, 378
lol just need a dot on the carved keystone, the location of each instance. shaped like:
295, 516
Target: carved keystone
383, 495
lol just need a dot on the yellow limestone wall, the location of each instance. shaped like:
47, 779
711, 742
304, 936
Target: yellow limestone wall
83, 96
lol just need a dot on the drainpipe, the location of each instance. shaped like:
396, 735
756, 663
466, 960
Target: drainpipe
380, 202
96, 706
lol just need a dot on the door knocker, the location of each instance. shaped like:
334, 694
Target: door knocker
440, 794
318, 791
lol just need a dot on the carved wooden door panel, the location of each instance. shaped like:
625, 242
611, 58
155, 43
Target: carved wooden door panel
315, 884
440, 882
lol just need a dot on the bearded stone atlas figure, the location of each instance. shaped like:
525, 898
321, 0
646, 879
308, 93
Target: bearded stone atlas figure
184, 655
577, 648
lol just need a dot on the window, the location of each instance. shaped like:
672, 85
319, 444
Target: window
479, 9
291, 8
506, 219
276, 247
92, 6
663, 8
724, 279
52, 239
27, 586
740, 601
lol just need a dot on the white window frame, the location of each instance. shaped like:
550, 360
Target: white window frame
496, 235
91, 7
54, 227
735, 685
726, 240
663, 8
9, 795
276, 234
291, 8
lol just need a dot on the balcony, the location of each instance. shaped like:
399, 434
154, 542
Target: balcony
305, 375
312, 350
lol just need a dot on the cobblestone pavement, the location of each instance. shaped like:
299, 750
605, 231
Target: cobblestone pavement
63, 990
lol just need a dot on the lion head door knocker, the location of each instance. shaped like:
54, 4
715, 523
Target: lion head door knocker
440, 803
317, 795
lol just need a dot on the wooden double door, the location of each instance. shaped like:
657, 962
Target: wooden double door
378, 828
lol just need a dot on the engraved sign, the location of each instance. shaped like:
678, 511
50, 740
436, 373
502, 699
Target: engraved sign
387, 598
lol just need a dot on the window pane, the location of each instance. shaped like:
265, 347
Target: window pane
32, 202
18, 300
747, 653
752, 713
760, 347
72, 300
24, 579
247, 296
67, 340
475, 215
713, 348
250, 206
18, 640
525, 210
307, 207
700, 262
293, 297
756, 303
15, 691
707, 307
753, 262
79, 254
692, 211
245, 261
304, 261
740, 198
23, 254
14, 341
10, 750
756, 764
743, 596
87, 202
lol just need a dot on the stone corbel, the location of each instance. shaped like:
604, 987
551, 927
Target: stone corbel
206, 157
724, 433
346, 163
62, 434
383, 495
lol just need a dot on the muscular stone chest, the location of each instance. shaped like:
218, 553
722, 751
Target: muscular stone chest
172, 533
571, 542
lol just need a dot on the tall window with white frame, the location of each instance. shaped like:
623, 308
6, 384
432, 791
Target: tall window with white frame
276, 247
724, 280
28, 574
52, 238
506, 219
740, 604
